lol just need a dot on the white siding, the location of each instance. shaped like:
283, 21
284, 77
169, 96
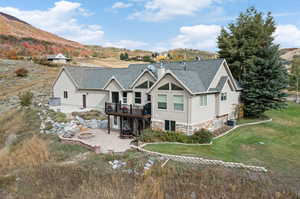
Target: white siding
170, 113
200, 114
94, 99
145, 77
228, 106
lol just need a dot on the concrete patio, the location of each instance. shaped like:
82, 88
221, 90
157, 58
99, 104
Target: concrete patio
106, 142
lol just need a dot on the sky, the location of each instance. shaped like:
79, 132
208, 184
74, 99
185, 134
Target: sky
156, 25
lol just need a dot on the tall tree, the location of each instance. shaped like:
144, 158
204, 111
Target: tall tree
242, 40
254, 60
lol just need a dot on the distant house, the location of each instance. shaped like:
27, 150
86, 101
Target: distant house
182, 96
58, 59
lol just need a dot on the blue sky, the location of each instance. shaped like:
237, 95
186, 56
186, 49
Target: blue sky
151, 24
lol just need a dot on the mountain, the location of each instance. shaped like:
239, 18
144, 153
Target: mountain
18, 38
289, 53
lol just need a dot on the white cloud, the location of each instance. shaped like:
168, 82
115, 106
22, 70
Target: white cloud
61, 20
159, 10
129, 44
199, 37
120, 4
288, 36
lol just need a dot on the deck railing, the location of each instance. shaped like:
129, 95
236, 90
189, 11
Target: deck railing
118, 108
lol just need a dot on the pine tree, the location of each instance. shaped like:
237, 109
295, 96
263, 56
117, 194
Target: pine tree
243, 39
264, 82
254, 60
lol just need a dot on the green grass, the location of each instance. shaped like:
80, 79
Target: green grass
280, 151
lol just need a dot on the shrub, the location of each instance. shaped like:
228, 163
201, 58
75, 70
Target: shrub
149, 135
26, 98
202, 136
58, 116
21, 72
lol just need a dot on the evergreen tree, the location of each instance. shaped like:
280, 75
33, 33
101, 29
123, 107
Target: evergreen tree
264, 82
241, 43
254, 60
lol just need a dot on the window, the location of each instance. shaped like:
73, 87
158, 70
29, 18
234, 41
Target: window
203, 100
125, 97
148, 98
165, 87
143, 85
162, 102
66, 94
174, 87
223, 96
137, 97
178, 102
150, 84
170, 125
146, 84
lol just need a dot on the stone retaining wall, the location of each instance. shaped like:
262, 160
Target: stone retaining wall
202, 161
94, 148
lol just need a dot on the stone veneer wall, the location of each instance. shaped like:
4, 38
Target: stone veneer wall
190, 129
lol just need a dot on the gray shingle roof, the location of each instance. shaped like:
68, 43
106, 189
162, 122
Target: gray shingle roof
97, 77
197, 75
221, 83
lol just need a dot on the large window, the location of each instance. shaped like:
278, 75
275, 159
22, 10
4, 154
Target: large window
137, 97
203, 100
223, 96
162, 102
165, 87
178, 102
143, 85
174, 87
125, 97
146, 84
66, 94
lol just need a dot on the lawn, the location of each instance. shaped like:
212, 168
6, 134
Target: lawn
275, 145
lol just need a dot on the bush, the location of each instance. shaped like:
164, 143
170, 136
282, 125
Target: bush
26, 98
202, 136
58, 116
21, 72
149, 135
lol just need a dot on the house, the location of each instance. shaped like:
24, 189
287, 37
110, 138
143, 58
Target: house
58, 59
181, 96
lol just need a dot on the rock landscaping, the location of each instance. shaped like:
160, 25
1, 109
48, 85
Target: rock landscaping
67, 127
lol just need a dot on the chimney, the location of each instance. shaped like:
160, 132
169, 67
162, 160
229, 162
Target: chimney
161, 70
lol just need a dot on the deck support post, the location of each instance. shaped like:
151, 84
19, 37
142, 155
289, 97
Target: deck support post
108, 124
121, 126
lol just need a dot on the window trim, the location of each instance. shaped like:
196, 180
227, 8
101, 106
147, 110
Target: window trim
178, 103
162, 102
